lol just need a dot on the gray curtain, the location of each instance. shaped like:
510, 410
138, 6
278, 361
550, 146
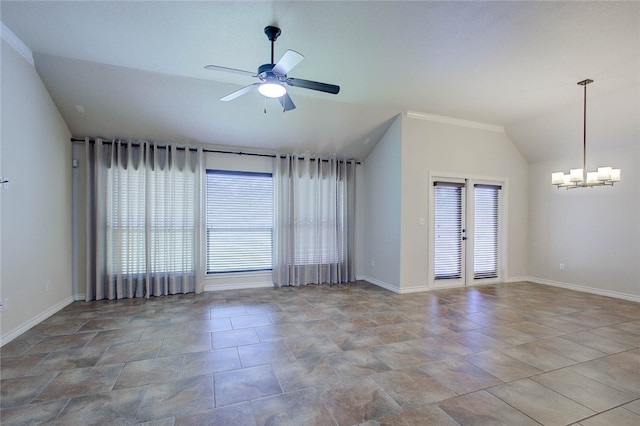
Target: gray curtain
144, 220
314, 220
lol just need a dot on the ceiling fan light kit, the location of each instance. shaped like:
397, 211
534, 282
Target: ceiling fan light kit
272, 90
273, 76
581, 178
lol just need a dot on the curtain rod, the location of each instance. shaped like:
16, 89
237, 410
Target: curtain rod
217, 151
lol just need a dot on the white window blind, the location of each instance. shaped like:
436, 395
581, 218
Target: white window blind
448, 230
239, 221
151, 221
319, 222
485, 234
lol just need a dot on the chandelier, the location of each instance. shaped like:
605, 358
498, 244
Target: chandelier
581, 178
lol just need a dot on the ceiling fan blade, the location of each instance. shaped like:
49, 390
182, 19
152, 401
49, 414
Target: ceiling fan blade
314, 85
233, 70
290, 59
286, 102
231, 96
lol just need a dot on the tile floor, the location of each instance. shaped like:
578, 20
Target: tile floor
513, 354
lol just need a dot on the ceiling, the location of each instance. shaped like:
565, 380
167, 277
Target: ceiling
137, 68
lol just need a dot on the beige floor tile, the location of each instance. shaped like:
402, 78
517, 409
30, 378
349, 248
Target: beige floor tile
231, 338
82, 381
633, 406
11, 367
541, 403
264, 353
185, 344
412, 388
177, 398
150, 371
600, 343
357, 400
68, 360
459, 375
567, 349
586, 391
251, 320
294, 408
133, 351
116, 407
476, 341
304, 373
502, 366
427, 415
619, 372
236, 415
400, 355
507, 335
539, 357
209, 362
22, 390
245, 384
617, 417
440, 347
355, 363
482, 408
311, 346
43, 413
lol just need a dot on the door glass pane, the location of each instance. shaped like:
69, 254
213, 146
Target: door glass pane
485, 235
448, 231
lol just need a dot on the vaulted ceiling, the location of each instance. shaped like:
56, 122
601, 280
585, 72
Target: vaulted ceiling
137, 69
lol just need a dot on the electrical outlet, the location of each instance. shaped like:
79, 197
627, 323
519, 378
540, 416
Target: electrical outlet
47, 285
373, 263
562, 266
5, 304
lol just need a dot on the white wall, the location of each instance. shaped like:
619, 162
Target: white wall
36, 208
430, 146
382, 243
594, 232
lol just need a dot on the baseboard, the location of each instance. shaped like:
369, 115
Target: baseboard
585, 289
387, 286
237, 286
79, 297
414, 289
517, 279
35, 321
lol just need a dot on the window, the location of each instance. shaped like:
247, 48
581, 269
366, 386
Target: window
239, 221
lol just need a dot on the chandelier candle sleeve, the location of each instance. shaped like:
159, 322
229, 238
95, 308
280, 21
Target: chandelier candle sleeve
581, 178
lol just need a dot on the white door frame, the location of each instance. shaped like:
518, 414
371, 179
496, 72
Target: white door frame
470, 181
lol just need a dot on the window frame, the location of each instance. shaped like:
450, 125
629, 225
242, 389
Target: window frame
209, 269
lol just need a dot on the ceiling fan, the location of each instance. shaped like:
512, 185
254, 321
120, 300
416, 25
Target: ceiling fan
273, 77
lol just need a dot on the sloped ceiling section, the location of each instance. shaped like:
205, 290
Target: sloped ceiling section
127, 103
137, 67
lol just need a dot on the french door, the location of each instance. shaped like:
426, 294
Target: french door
466, 232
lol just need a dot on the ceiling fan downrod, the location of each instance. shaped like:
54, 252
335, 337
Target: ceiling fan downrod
272, 34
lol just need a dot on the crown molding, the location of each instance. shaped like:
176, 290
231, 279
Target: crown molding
7, 35
454, 121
